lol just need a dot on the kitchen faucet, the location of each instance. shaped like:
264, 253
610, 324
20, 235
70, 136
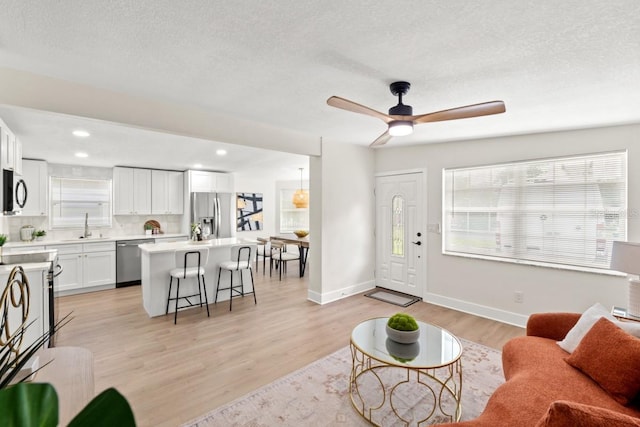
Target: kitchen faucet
87, 233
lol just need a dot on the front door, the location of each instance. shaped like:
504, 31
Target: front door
400, 233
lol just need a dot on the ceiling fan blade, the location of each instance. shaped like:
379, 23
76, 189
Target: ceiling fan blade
345, 104
475, 110
381, 140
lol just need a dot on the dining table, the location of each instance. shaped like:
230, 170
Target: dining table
303, 247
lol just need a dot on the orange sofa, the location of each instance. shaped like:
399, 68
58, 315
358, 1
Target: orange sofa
543, 390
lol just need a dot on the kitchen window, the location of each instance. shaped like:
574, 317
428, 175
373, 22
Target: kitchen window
564, 212
71, 199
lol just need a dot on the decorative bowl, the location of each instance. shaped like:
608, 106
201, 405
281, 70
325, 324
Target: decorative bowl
403, 337
301, 233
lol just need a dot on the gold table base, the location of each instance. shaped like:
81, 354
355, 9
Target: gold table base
442, 385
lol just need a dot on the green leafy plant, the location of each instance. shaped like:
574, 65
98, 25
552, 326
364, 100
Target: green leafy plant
402, 322
36, 404
39, 233
3, 239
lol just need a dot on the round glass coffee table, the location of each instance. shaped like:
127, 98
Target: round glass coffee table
405, 384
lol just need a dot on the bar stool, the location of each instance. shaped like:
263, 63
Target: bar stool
189, 264
264, 251
242, 256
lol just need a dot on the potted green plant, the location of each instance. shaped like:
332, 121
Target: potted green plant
403, 328
3, 240
36, 404
39, 234
196, 232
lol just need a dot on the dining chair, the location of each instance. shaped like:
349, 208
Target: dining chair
280, 256
240, 261
263, 252
189, 264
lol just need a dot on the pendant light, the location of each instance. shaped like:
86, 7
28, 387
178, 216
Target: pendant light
301, 196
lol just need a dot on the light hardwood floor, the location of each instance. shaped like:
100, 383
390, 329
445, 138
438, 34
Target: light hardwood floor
173, 373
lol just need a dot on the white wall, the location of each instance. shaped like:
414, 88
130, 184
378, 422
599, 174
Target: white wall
487, 287
263, 181
344, 179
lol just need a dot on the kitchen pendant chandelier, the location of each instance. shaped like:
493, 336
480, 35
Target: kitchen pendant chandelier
301, 196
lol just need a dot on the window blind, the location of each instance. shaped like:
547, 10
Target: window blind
72, 198
563, 211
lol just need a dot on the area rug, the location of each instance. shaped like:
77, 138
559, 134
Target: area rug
396, 298
318, 394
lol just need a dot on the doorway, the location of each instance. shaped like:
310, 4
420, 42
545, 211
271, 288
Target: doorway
401, 233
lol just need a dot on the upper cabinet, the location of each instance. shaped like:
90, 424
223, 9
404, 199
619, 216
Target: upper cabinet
132, 191
167, 190
34, 174
11, 150
210, 182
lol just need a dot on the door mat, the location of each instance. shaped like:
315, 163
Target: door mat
392, 297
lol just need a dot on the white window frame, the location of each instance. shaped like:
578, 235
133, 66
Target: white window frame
99, 204
529, 201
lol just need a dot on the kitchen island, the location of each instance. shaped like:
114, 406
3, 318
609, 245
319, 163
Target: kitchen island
159, 258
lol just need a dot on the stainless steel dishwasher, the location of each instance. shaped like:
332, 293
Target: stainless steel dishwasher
128, 271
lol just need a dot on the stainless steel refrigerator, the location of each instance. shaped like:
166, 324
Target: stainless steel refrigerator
214, 213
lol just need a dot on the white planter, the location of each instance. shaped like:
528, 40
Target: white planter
403, 337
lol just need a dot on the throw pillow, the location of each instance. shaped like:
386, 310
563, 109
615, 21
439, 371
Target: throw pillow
563, 413
586, 321
611, 357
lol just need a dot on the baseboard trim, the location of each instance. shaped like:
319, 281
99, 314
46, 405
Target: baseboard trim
503, 316
327, 297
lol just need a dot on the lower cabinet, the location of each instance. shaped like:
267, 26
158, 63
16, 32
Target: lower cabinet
86, 265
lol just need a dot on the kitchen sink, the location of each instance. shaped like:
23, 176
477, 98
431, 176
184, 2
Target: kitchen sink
86, 239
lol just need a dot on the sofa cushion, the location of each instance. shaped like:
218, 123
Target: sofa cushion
587, 320
570, 414
611, 357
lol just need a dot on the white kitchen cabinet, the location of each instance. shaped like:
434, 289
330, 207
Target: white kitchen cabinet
210, 182
86, 265
167, 190
71, 276
8, 147
131, 191
98, 268
34, 174
17, 165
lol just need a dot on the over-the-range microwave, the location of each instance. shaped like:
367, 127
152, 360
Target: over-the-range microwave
14, 193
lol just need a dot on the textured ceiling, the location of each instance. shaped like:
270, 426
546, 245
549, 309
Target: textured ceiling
556, 64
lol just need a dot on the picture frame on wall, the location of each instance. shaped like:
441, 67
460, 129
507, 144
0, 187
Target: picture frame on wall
249, 211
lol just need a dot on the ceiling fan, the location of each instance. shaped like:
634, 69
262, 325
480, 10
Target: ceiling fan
401, 119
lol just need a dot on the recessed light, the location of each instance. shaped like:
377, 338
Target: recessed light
82, 155
197, 166
221, 152
80, 133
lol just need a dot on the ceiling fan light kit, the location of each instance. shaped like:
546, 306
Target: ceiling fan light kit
400, 119
400, 128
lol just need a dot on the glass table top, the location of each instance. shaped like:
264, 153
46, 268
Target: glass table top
436, 347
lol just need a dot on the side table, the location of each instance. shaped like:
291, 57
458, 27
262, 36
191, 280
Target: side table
405, 384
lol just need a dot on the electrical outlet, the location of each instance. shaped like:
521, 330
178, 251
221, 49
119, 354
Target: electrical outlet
518, 296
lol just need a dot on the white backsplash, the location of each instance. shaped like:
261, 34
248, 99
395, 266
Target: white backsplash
122, 225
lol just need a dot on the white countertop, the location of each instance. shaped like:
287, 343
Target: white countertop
31, 266
47, 241
213, 243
